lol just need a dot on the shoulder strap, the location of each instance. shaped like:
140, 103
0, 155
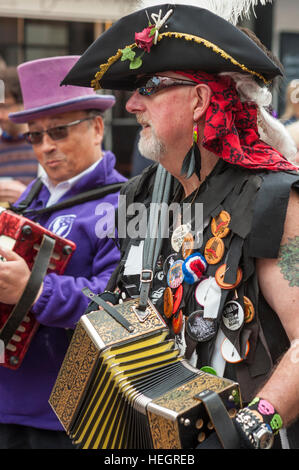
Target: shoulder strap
33, 193
75, 200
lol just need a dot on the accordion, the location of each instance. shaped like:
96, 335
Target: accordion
43, 252
129, 388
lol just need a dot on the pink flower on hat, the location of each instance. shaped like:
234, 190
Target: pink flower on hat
145, 39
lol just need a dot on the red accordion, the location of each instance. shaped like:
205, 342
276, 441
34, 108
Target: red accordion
44, 252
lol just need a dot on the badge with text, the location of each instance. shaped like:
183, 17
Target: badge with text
233, 315
175, 275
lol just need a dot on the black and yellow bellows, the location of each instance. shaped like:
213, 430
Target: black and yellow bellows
192, 38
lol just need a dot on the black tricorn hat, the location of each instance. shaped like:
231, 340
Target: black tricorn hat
191, 39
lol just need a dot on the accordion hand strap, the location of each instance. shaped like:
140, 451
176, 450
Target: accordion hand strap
224, 426
31, 290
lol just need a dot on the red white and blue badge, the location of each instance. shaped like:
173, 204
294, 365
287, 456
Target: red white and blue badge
175, 275
194, 268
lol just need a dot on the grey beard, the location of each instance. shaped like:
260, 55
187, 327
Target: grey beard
151, 147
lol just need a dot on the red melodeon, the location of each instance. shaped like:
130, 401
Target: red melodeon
26, 238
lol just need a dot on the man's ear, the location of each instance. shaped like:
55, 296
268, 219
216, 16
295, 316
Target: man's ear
203, 98
99, 129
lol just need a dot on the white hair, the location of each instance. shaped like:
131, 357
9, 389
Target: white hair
271, 130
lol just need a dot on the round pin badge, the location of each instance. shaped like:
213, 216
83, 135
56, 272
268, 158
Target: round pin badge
219, 276
175, 275
201, 291
168, 302
214, 250
178, 236
177, 298
230, 353
177, 322
248, 310
233, 315
219, 225
200, 329
169, 262
187, 245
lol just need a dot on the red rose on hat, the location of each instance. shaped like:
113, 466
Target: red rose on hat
145, 38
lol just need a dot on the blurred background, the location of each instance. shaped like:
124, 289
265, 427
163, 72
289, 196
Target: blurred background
44, 28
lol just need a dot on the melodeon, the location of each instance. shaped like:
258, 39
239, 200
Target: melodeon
32, 242
121, 389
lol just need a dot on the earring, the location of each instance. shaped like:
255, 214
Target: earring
192, 161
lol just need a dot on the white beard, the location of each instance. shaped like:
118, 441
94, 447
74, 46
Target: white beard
150, 146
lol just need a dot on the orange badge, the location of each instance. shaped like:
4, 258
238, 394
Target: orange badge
177, 322
219, 224
248, 310
187, 246
219, 276
168, 302
214, 250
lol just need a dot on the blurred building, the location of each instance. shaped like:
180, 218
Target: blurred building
33, 29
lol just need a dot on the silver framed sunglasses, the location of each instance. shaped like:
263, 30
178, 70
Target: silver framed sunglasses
56, 133
151, 85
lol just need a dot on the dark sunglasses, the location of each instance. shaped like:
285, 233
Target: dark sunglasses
150, 85
56, 133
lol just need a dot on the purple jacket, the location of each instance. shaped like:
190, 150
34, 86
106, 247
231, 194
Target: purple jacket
24, 393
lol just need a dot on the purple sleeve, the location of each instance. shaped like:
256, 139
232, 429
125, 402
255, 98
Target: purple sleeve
62, 302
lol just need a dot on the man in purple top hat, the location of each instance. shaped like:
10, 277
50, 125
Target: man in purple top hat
66, 131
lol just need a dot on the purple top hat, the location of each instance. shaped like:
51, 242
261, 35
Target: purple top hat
43, 96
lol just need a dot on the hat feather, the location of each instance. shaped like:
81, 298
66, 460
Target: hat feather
230, 10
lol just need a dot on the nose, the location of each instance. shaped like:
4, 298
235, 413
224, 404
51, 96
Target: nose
47, 145
135, 103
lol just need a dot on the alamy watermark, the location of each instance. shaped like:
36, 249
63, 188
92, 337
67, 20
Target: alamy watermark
136, 220
295, 351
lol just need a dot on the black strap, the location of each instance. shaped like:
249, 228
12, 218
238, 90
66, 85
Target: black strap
224, 427
31, 290
75, 200
109, 309
35, 190
155, 231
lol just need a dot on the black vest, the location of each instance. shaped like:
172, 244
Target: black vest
257, 203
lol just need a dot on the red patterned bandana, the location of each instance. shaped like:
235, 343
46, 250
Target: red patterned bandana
231, 130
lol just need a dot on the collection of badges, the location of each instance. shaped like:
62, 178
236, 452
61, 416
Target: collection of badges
187, 266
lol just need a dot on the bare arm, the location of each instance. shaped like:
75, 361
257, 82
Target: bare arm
279, 281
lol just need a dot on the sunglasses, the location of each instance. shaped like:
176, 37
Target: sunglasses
150, 85
56, 133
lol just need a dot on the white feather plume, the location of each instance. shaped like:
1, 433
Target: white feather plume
230, 10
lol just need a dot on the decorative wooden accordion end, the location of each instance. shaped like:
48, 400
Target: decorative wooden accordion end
118, 389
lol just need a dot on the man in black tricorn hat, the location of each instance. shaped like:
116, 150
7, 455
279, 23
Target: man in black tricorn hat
200, 92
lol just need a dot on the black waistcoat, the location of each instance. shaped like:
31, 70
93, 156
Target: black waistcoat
257, 202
